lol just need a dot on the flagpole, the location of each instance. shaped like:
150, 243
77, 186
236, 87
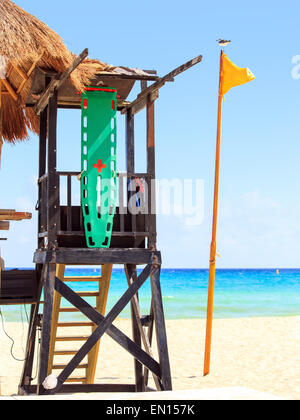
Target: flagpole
213, 248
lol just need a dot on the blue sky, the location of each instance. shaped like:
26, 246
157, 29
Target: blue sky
259, 191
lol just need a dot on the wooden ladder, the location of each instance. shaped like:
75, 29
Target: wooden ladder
101, 294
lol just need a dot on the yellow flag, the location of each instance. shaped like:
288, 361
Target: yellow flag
234, 75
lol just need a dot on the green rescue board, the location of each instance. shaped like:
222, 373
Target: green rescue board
99, 176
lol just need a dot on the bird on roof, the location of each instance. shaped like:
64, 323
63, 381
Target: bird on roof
223, 42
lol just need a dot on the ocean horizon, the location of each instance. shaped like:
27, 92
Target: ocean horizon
239, 293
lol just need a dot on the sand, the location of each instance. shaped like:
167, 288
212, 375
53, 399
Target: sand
262, 354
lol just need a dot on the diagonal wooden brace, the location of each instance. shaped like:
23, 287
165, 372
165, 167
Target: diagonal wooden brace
105, 326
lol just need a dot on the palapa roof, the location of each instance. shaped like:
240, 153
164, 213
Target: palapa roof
26, 41
29, 46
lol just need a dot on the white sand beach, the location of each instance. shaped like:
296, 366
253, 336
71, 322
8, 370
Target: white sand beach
262, 354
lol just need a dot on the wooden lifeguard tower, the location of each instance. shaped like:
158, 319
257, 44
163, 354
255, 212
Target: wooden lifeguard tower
62, 242
64, 237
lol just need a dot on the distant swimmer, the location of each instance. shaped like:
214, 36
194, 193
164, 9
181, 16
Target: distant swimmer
277, 271
223, 42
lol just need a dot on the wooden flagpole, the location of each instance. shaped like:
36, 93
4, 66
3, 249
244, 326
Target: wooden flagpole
213, 249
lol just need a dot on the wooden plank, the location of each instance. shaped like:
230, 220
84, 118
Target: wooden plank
130, 152
151, 217
141, 100
18, 284
4, 225
161, 335
82, 279
57, 82
131, 277
10, 89
16, 216
122, 207
150, 338
30, 71
7, 211
130, 271
120, 76
41, 205
26, 377
69, 203
101, 302
60, 272
72, 338
61, 367
86, 388
46, 326
79, 256
75, 324
53, 178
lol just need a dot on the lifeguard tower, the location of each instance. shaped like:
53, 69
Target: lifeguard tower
69, 235
114, 224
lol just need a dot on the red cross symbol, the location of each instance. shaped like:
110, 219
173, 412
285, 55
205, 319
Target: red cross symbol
99, 166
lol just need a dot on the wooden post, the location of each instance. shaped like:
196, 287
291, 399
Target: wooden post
46, 326
161, 334
53, 179
213, 248
138, 367
101, 302
42, 171
60, 274
130, 162
26, 377
151, 174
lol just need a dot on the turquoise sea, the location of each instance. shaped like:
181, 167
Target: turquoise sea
238, 293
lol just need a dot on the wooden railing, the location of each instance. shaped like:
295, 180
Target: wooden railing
132, 218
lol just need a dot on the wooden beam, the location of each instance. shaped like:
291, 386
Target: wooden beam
131, 275
4, 225
10, 89
161, 335
15, 216
20, 72
94, 256
152, 90
28, 74
119, 76
57, 82
46, 326
53, 179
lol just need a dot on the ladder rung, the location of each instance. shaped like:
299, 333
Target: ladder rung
60, 367
82, 279
76, 380
65, 352
75, 324
88, 294
70, 309
72, 338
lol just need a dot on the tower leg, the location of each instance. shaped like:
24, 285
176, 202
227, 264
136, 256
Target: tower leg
46, 326
30, 347
60, 273
131, 273
26, 377
161, 330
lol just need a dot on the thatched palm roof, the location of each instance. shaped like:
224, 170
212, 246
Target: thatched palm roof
25, 41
